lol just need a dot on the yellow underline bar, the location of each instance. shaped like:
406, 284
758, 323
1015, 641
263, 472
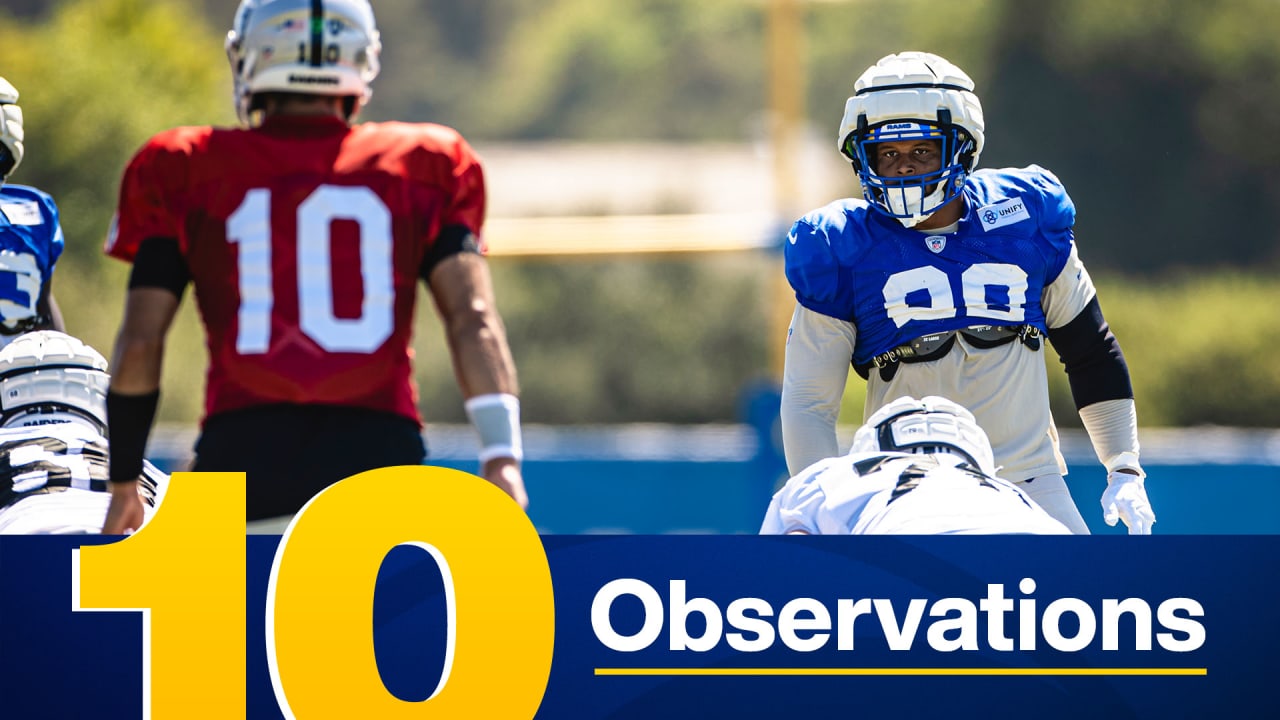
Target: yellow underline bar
755, 672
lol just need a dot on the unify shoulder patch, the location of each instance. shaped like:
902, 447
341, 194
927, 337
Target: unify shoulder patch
1003, 213
22, 212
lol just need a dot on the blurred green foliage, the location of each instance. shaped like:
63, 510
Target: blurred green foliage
1202, 347
628, 339
96, 79
1158, 115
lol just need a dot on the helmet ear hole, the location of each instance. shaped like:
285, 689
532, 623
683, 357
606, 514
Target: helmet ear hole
849, 149
7, 161
966, 153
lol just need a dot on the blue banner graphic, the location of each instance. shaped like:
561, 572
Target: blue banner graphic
739, 626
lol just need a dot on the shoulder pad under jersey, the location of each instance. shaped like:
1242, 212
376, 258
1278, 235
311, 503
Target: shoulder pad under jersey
34, 208
819, 254
1046, 198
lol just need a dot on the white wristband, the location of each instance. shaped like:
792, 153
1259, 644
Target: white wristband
496, 417
1125, 461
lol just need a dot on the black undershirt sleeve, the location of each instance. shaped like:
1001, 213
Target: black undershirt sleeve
159, 263
1094, 363
452, 239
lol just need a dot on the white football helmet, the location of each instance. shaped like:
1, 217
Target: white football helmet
10, 130
912, 96
316, 47
931, 424
47, 376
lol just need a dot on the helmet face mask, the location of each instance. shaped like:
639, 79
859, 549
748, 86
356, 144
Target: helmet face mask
913, 96
918, 195
929, 425
327, 47
11, 132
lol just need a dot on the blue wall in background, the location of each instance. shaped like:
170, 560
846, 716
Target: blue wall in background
718, 479
726, 497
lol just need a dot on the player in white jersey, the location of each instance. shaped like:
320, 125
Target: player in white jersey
53, 455
918, 467
945, 280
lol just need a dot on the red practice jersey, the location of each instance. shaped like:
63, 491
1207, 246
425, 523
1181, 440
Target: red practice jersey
304, 238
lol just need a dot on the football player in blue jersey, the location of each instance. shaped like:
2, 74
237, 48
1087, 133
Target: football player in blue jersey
944, 280
30, 237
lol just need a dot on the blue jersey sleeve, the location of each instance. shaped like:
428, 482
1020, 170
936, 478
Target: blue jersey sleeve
1055, 212
816, 267
35, 229
56, 240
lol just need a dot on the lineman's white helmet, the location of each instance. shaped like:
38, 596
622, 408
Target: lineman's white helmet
47, 376
11, 135
317, 47
912, 96
931, 424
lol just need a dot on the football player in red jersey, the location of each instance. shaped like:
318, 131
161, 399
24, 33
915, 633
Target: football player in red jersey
305, 235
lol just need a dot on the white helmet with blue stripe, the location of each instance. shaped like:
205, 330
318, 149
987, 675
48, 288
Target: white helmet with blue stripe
913, 96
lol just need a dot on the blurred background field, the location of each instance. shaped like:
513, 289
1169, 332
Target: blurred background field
642, 125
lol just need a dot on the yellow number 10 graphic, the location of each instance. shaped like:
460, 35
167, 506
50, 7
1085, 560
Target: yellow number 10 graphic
185, 571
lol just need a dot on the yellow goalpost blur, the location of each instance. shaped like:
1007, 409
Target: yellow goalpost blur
607, 235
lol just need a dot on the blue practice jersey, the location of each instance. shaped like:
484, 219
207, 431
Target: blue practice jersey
30, 244
851, 262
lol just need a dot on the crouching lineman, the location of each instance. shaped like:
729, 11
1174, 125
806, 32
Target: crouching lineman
917, 467
53, 455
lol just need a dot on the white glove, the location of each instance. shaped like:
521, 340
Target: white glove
1126, 499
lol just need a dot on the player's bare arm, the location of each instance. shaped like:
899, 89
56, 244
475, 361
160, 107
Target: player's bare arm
463, 293
139, 349
47, 309
133, 397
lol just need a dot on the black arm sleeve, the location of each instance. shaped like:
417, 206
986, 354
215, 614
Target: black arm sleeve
129, 419
1095, 365
452, 239
160, 264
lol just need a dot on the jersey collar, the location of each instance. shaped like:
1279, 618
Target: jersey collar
306, 126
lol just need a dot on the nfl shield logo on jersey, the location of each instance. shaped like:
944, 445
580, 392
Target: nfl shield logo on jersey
936, 242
